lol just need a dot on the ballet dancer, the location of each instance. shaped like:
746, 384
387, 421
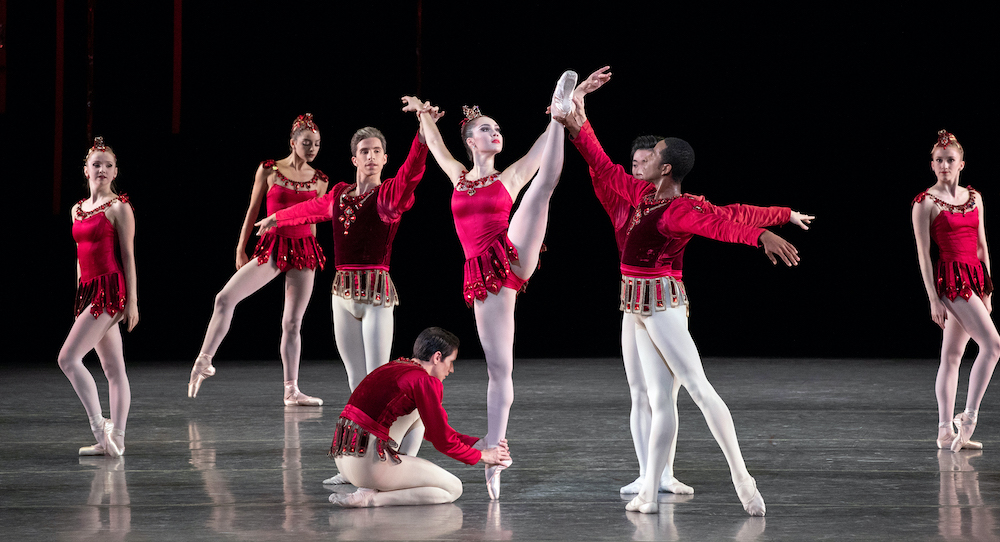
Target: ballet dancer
290, 250
958, 288
620, 211
664, 221
379, 412
365, 216
501, 250
104, 231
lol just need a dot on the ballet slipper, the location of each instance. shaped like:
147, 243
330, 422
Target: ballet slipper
493, 478
115, 437
562, 98
966, 424
638, 504
295, 397
362, 498
676, 487
754, 503
944, 443
633, 488
202, 369
336, 480
99, 434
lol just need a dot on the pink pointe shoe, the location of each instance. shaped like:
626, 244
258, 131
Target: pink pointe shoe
294, 397
966, 424
202, 369
945, 442
562, 98
115, 445
493, 478
99, 434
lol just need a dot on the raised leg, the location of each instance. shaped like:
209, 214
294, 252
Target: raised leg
247, 280
527, 225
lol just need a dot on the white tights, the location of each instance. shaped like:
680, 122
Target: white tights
967, 319
100, 334
671, 342
495, 314
414, 481
247, 280
640, 417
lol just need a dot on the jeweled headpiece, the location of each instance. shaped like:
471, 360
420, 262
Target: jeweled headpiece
945, 138
470, 114
99, 146
304, 122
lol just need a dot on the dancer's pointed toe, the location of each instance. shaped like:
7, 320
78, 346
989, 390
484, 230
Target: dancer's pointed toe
202, 369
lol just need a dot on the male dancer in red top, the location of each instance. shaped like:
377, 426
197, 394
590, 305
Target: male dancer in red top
365, 216
364, 441
620, 211
664, 221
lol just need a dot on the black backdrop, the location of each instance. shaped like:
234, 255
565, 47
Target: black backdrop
831, 110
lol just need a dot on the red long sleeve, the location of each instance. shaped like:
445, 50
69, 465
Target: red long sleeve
312, 211
395, 196
695, 216
607, 172
427, 394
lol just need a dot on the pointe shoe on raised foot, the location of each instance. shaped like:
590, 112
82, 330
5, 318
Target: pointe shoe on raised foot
753, 504
294, 397
493, 478
944, 443
202, 369
633, 488
676, 487
966, 426
562, 98
336, 480
101, 435
115, 445
362, 498
642, 506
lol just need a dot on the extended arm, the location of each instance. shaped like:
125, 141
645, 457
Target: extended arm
395, 196
427, 395
435, 143
921, 218
124, 223
256, 197
689, 215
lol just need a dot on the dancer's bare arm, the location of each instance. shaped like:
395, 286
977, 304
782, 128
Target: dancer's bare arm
921, 216
256, 197
123, 220
435, 143
982, 250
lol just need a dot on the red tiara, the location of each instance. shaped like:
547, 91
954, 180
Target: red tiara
304, 121
946, 138
470, 114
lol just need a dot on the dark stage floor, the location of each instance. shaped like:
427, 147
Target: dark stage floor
841, 449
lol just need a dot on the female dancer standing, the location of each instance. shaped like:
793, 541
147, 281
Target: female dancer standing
952, 216
104, 229
501, 250
291, 250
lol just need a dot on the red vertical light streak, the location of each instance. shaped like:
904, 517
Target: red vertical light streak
58, 128
175, 118
420, 34
90, 70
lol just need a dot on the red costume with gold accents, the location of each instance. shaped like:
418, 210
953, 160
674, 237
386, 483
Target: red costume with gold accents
102, 279
364, 227
391, 391
955, 230
292, 247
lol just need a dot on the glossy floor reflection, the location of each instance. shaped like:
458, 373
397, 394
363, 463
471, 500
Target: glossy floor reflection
841, 449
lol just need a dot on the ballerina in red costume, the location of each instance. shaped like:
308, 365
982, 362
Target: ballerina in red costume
501, 250
104, 230
291, 250
958, 288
